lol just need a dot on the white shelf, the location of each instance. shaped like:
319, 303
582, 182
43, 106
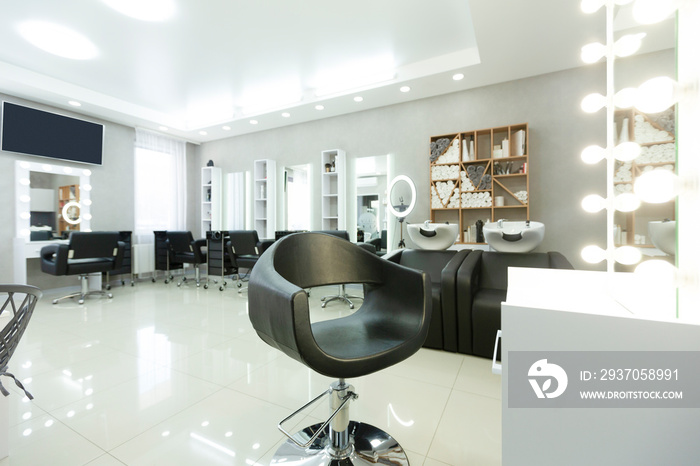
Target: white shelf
211, 200
333, 190
265, 211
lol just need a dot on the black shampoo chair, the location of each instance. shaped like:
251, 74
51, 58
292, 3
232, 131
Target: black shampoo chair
85, 253
390, 326
184, 249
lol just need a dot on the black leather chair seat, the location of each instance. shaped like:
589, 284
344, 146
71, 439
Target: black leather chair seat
97, 264
390, 326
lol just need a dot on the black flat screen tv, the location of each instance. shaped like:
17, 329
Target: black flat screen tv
30, 131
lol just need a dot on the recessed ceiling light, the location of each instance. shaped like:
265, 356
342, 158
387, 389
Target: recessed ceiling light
458, 76
74, 103
253, 122
203, 133
226, 128
58, 40
163, 128
319, 107
358, 99
286, 115
404, 88
145, 10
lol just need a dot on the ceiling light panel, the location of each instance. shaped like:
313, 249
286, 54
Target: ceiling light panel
58, 40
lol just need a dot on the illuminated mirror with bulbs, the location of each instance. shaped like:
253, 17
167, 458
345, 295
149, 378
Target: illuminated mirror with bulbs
51, 200
646, 186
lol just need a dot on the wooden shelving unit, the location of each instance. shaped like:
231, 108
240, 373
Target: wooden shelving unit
67, 194
658, 152
470, 170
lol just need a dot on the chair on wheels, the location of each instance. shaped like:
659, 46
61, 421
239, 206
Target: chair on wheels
85, 253
184, 249
244, 249
20, 300
390, 326
342, 294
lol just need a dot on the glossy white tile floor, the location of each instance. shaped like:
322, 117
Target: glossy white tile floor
177, 376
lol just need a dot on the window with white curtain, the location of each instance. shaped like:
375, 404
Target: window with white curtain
159, 184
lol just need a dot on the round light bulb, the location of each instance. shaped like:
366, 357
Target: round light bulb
25, 215
592, 103
86, 187
86, 202
591, 6
24, 181
591, 53
24, 232
593, 254
627, 151
25, 198
656, 95
592, 154
625, 98
87, 172
67, 170
629, 44
593, 203
627, 202
652, 11
627, 255
656, 186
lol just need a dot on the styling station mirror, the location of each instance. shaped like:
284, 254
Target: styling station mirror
371, 197
402, 200
45, 213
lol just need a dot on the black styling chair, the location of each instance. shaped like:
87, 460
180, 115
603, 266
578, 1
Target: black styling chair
184, 249
85, 253
390, 326
244, 249
342, 295
20, 301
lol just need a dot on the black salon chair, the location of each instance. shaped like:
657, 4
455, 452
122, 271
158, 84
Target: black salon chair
342, 294
441, 267
184, 249
85, 253
244, 248
19, 301
482, 285
390, 326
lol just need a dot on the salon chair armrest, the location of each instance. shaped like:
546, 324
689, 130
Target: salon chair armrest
119, 258
54, 259
264, 244
448, 298
467, 286
198, 248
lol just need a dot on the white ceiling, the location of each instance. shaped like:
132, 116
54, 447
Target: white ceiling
218, 63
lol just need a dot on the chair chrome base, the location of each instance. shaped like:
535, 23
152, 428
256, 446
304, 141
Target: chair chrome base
370, 446
84, 292
341, 296
197, 279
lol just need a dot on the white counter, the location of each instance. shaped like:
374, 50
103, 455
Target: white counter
566, 310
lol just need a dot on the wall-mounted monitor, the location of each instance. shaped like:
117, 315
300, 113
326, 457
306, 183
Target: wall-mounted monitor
30, 131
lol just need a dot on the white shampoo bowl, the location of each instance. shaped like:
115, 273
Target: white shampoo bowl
514, 236
663, 236
434, 236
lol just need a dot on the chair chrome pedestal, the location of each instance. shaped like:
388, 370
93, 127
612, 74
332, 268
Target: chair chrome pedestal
341, 296
197, 278
339, 441
84, 291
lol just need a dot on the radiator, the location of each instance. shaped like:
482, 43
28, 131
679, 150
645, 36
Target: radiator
144, 259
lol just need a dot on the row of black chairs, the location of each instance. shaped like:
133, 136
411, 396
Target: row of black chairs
239, 251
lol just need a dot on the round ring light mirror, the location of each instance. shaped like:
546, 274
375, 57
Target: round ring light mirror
71, 212
402, 196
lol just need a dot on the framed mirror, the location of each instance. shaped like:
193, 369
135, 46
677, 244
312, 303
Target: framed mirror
51, 200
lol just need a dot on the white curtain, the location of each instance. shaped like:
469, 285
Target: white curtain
159, 184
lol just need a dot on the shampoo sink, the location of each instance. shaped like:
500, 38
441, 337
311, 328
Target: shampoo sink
434, 236
505, 236
663, 236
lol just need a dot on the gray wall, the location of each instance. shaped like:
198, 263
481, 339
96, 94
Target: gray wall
550, 103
